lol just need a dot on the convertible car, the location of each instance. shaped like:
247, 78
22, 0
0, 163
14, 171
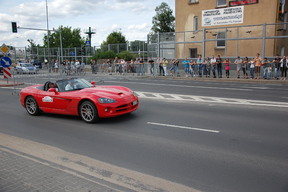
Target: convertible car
78, 97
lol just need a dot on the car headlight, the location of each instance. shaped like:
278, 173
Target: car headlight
106, 100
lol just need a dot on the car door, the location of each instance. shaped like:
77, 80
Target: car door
57, 102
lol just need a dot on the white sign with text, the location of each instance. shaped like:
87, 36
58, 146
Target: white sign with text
225, 16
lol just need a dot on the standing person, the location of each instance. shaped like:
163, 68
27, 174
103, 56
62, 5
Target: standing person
164, 64
121, 66
238, 63
151, 63
94, 67
258, 61
208, 67
176, 65
245, 67
265, 65
219, 66
269, 71
141, 65
227, 67
252, 66
185, 62
191, 68
283, 67
200, 65
109, 64
77, 67
161, 70
56, 66
132, 67
213, 65
276, 63
172, 66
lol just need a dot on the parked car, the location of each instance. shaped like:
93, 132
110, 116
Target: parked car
26, 68
37, 63
78, 97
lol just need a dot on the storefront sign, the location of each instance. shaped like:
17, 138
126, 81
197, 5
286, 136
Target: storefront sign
226, 16
243, 2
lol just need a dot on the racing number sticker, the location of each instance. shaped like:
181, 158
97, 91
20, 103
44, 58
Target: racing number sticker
47, 99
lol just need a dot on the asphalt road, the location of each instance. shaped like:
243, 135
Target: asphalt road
205, 144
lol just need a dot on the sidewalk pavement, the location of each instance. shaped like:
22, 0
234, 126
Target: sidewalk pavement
11, 82
20, 172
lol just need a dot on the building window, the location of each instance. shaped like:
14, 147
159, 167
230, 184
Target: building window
221, 3
220, 43
193, 1
196, 23
193, 52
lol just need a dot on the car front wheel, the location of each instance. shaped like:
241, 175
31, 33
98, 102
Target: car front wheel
88, 112
31, 106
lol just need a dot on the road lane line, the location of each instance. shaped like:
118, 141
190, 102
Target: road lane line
183, 86
205, 99
183, 127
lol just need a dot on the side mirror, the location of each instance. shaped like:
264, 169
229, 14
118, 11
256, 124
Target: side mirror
52, 90
93, 83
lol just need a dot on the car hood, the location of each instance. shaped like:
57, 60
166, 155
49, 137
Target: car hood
106, 91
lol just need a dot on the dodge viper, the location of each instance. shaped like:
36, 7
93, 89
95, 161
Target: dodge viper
80, 98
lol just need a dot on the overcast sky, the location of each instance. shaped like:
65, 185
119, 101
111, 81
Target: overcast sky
132, 17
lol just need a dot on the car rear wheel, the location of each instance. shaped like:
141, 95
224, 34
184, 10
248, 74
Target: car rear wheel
88, 112
31, 106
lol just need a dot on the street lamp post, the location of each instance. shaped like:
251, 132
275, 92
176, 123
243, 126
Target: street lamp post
49, 64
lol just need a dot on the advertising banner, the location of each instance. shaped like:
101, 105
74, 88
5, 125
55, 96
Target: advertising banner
225, 16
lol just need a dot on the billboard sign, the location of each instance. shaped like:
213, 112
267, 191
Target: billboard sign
225, 16
242, 2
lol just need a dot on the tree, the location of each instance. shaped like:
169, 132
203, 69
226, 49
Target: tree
115, 37
163, 21
70, 38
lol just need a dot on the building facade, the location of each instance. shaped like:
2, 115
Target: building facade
230, 28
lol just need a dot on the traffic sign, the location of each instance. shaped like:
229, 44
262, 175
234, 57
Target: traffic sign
7, 73
88, 44
4, 49
5, 62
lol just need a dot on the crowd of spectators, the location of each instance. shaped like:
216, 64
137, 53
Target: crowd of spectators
209, 67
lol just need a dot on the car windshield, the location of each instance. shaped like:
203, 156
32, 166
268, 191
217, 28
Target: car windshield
72, 84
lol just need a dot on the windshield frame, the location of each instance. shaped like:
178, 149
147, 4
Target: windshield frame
76, 84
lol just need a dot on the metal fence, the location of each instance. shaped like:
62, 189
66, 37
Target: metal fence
245, 40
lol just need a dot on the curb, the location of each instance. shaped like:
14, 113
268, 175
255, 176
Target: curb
10, 84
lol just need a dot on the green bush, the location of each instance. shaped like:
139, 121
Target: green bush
126, 55
104, 55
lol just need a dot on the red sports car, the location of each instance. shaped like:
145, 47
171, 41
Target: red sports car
79, 97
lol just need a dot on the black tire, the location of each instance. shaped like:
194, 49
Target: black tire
88, 112
32, 106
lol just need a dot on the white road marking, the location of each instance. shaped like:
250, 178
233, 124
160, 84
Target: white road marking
183, 127
185, 86
205, 99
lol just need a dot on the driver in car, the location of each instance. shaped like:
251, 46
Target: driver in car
69, 86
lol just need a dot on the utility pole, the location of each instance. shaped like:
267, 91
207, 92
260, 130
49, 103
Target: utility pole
90, 33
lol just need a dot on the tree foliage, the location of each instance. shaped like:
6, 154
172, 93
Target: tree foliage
163, 21
70, 38
115, 37
126, 55
104, 55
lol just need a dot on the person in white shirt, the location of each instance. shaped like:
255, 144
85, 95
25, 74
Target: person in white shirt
213, 65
